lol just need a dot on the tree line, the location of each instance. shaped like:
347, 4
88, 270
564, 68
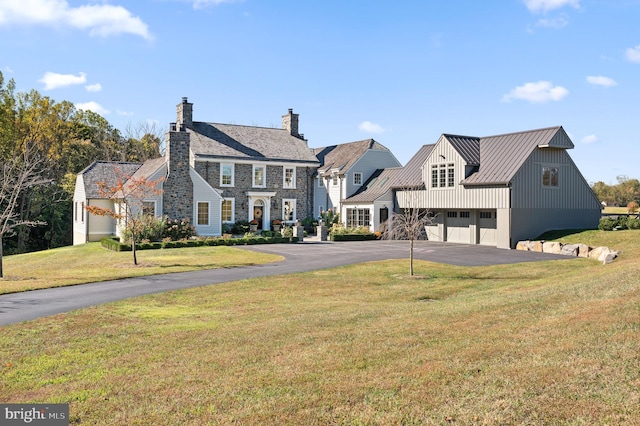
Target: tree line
627, 190
43, 145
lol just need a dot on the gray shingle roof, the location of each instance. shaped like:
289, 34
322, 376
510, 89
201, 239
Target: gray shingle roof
107, 172
376, 186
248, 142
343, 156
502, 156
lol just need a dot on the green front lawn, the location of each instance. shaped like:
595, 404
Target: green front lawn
90, 262
552, 342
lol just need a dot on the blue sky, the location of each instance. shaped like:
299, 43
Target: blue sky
400, 72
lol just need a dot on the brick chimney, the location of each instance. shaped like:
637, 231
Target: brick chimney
184, 113
290, 124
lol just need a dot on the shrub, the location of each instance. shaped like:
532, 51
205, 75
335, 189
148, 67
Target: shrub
240, 227
632, 207
178, 229
148, 228
352, 237
633, 223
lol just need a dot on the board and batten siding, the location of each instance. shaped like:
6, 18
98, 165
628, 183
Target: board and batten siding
572, 192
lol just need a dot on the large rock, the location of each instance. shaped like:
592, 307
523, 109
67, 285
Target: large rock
595, 252
536, 246
570, 249
552, 247
583, 250
523, 245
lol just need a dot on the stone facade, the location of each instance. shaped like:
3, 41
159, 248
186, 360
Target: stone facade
243, 183
178, 189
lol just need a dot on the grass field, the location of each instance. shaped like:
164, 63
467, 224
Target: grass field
553, 342
91, 262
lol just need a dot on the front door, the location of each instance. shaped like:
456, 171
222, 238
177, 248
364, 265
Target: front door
258, 210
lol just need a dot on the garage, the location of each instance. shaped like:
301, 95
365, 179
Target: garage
457, 226
487, 228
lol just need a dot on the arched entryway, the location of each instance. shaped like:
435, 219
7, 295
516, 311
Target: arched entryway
260, 208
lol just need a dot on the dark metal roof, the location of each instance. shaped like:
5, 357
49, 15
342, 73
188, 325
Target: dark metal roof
467, 146
248, 142
343, 156
107, 172
502, 156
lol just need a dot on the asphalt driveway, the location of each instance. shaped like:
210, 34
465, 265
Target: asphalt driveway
301, 257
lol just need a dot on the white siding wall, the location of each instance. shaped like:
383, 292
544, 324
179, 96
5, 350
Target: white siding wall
79, 226
368, 163
100, 226
203, 192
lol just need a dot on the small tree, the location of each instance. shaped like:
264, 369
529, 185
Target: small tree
408, 224
632, 207
129, 194
17, 175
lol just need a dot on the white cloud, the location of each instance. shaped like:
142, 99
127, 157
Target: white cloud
93, 106
100, 19
590, 139
600, 80
53, 80
538, 92
537, 6
124, 113
633, 54
200, 4
93, 87
559, 22
369, 127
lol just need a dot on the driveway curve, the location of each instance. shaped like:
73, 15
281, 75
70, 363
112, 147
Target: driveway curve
301, 257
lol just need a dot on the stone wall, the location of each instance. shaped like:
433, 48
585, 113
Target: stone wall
602, 254
177, 199
243, 183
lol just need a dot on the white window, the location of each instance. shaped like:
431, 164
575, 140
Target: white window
320, 182
226, 174
450, 175
434, 176
358, 217
549, 176
289, 210
334, 178
443, 175
227, 209
357, 178
203, 213
259, 176
289, 174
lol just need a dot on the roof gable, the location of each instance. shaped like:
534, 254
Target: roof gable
107, 172
502, 156
467, 146
248, 142
343, 156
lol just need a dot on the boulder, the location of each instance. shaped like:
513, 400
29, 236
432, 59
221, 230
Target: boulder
536, 246
570, 249
552, 247
583, 250
523, 245
595, 252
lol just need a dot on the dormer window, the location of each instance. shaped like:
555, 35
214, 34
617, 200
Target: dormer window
443, 175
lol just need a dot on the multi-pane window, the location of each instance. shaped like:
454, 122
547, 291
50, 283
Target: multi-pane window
486, 215
334, 178
289, 210
465, 214
443, 175
259, 179
289, 177
203, 213
450, 175
452, 214
549, 176
357, 178
320, 181
226, 174
358, 217
227, 210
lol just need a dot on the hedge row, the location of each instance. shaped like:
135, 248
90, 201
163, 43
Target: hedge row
115, 245
619, 223
352, 237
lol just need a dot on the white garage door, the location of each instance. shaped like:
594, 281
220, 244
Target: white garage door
487, 228
457, 223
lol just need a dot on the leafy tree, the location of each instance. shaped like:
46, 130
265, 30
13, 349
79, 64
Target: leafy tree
129, 194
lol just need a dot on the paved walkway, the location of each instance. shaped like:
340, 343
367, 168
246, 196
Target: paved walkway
307, 256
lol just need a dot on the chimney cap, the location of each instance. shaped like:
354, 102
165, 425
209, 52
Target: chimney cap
290, 110
184, 99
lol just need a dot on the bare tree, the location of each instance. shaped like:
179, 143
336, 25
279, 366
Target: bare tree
409, 223
18, 174
130, 194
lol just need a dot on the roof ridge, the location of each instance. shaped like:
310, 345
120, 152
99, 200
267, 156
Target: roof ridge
522, 132
240, 125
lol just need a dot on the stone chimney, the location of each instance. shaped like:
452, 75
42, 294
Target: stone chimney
290, 123
177, 198
184, 114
